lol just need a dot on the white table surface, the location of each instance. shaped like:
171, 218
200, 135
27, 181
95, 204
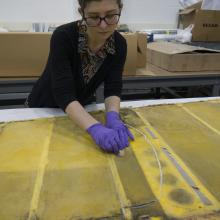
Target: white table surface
22, 114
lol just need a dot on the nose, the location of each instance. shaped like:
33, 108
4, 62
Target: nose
103, 24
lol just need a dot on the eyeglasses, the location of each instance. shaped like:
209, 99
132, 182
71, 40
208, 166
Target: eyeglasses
110, 19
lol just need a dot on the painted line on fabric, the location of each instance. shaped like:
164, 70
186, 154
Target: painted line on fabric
40, 174
168, 204
124, 201
199, 119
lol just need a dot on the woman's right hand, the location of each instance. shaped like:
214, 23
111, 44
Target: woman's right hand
105, 138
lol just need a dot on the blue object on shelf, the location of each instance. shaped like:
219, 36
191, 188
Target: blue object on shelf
150, 37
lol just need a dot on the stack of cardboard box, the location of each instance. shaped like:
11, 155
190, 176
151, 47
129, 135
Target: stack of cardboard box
176, 57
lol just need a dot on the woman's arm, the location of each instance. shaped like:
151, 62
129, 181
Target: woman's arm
112, 103
79, 116
104, 137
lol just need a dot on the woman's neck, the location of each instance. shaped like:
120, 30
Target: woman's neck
95, 44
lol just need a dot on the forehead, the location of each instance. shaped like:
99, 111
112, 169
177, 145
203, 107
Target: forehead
101, 6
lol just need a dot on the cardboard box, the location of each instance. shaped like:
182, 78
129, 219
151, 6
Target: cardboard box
180, 57
141, 50
131, 59
206, 22
207, 26
23, 54
136, 52
187, 16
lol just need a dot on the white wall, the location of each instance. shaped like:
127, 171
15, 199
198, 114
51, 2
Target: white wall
146, 13
36, 10
151, 13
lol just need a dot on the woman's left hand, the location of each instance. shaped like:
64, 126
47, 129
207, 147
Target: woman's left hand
113, 121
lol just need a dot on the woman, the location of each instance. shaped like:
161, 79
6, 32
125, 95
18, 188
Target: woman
83, 54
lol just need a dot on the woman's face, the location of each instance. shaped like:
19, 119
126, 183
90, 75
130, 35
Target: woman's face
101, 9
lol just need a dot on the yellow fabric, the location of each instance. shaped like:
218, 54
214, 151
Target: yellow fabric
50, 169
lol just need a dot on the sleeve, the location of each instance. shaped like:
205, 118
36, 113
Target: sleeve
63, 84
113, 80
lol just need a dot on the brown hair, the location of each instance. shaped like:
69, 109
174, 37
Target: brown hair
83, 3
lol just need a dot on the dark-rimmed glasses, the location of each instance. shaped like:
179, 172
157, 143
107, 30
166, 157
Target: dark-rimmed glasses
94, 21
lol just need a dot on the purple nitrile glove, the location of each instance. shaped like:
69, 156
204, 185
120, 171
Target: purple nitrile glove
104, 137
113, 121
